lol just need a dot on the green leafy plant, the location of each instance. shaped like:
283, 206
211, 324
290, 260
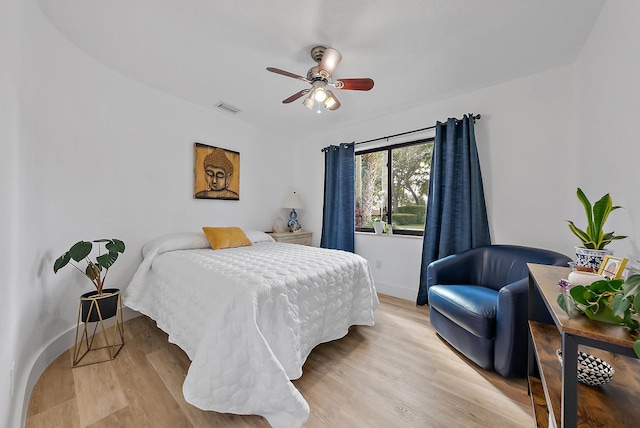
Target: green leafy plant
594, 236
614, 301
96, 270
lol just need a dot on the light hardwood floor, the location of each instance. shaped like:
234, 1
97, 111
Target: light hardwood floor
398, 373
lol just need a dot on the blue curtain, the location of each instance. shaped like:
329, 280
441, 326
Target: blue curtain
456, 211
338, 222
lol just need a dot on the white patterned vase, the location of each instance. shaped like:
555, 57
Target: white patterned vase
591, 258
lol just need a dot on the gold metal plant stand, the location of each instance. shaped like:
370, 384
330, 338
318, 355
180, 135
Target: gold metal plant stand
86, 342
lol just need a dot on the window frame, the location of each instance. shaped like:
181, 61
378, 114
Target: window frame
389, 149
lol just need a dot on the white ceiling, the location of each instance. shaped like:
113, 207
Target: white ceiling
207, 51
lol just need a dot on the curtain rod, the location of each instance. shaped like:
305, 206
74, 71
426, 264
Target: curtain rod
476, 117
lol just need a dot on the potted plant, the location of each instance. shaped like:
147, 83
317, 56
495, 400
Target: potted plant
614, 301
593, 238
379, 226
96, 271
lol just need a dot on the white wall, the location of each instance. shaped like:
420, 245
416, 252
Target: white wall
525, 137
10, 18
101, 156
608, 108
394, 261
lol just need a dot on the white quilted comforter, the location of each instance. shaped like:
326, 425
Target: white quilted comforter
248, 317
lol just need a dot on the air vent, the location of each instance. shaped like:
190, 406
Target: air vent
226, 107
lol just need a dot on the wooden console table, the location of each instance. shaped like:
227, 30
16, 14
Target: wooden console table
558, 400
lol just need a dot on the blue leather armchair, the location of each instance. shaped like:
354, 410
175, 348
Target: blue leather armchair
478, 302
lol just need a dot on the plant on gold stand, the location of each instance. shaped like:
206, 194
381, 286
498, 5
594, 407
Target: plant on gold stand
99, 305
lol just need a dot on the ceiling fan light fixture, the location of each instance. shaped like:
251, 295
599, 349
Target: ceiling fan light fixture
331, 103
309, 102
319, 93
312, 104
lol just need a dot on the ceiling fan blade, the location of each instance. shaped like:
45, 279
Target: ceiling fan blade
357, 84
286, 73
295, 96
331, 103
330, 60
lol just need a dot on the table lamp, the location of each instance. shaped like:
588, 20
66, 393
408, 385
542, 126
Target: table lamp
292, 202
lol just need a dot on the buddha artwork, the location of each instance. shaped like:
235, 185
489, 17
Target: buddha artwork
217, 173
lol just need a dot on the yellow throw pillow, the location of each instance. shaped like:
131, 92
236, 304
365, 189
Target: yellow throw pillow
226, 237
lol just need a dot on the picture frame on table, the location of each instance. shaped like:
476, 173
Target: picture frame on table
612, 267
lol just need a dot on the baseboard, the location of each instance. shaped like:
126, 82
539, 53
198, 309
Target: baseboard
397, 291
52, 351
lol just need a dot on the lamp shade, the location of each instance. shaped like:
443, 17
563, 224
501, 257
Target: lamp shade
292, 201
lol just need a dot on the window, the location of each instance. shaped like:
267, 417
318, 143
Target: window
392, 184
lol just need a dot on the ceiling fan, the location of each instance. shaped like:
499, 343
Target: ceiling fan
320, 78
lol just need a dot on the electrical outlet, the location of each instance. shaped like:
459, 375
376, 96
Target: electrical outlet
12, 378
378, 264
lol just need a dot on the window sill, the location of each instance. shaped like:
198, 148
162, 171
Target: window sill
384, 235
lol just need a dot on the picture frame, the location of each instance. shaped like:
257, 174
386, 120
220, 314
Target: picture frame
216, 173
612, 267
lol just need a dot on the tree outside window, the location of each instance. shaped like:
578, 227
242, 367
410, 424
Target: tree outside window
393, 183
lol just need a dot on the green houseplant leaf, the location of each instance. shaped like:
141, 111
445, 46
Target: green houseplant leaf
631, 286
601, 210
582, 235
612, 301
602, 312
565, 303
580, 294
630, 322
80, 250
636, 303
114, 245
605, 285
620, 305
594, 237
95, 271
62, 261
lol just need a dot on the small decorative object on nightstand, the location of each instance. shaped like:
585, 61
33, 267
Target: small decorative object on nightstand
302, 237
293, 201
280, 225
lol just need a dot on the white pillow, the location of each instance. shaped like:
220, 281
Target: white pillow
176, 241
257, 236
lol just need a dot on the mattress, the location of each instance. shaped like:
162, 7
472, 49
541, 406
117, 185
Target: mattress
248, 317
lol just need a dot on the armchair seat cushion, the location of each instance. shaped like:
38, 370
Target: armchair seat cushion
472, 307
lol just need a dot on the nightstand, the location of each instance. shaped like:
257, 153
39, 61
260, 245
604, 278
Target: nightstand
302, 237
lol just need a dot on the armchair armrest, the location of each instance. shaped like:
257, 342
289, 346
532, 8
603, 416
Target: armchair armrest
511, 329
454, 269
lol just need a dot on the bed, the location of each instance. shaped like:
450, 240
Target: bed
247, 317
